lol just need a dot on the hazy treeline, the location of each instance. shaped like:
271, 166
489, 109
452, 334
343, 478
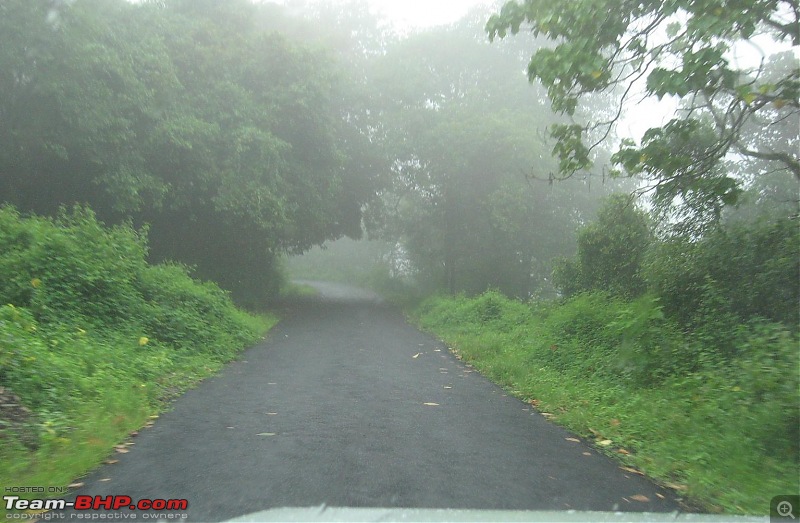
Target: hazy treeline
241, 131
197, 117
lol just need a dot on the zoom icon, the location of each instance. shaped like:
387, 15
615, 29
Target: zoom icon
784, 508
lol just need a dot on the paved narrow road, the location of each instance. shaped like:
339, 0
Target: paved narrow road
334, 408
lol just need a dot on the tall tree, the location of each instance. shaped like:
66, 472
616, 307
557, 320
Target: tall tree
682, 49
193, 116
465, 137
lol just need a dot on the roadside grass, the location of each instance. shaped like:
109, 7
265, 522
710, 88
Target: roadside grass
76, 436
722, 434
94, 342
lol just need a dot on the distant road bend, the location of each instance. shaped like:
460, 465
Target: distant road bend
345, 404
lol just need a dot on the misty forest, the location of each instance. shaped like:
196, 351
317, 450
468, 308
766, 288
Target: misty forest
170, 169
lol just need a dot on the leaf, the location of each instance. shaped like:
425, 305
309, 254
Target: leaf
265, 434
415, 356
632, 471
623, 451
448, 387
431, 404
605, 442
641, 498
111, 461
587, 453
79, 484
122, 450
573, 439
104, 479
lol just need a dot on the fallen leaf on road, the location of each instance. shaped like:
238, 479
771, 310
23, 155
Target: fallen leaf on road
154, 416
659, 496
415, 356
265, 434
431, 404
639, 497
111, 461
134, 434
448, 387
76, 485
573, 439
272, 413
634, 471
605, 442
587, 453
547, 415
122, 450
104, 479
437, 350
675, 486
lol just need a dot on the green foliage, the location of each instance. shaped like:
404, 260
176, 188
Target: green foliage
230, 140
743, 270
89, 331
610, 252
608, 46
611, 368
71, 267
465, 204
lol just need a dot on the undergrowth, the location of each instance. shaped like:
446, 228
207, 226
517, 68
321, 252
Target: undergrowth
94, 340
720, 428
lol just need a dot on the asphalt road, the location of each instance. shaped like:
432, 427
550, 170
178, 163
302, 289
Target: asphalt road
334, 408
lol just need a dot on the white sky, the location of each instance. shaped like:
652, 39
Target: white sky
423, 13
409, 14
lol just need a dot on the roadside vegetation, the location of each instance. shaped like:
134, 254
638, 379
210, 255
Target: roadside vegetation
94, 341
679, 358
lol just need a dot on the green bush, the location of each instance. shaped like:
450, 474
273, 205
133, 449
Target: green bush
71, 267
621, 370
92, 338
743, 270
610, 252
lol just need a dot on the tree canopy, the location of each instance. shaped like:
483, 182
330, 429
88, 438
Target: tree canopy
195, 117
684, 49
